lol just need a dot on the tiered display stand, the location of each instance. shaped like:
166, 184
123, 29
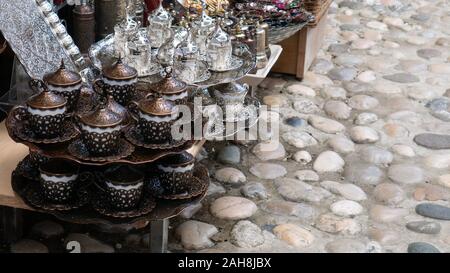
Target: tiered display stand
15, 175
15, 156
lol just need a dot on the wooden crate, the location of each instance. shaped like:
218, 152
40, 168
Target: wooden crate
318, 8
300, 50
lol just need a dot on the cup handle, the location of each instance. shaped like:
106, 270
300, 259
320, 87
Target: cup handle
20, 112
99, 179
133, 110
86, 179
151, 95
77, 119
69, 115
99, 87
37, 85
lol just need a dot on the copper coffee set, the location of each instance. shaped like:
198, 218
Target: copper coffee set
106, 150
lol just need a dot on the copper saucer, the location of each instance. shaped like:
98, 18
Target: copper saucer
102, 205
35, 197
133, 135
80, 151
27, 169
197, 186
20, 129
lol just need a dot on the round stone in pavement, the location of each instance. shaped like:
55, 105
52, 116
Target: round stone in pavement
433, 211
295, 122
422, 247
428, 53
254, 190
433, 141
425, 227
229, 155
232, 208
439, 108
402, 78
246, 234
268, 170
28, 246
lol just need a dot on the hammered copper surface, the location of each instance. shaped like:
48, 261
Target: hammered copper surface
46, 100
157, 106
168, 85
103, 116
233, 87
62, 77
116, 107
120, 71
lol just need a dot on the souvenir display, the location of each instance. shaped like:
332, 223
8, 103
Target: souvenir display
171, 89
46, 110
155, 117
175, 172
219, 50
202, 28
159, 21
123, 186
65, 83
119, 81
123, 33
109, 151
283, 17
139, 54
58, 179
41, 49
230, 93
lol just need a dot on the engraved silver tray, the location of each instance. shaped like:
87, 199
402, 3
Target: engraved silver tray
102, 53
32, 38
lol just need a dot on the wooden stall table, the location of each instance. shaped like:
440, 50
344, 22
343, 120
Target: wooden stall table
301, 49
11, 205
254, 79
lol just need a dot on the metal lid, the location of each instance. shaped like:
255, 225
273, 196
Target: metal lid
204, 21
232, 87
103, 116
62, 76
46, 100
83, 10
116, 107
168, 85
160, 16
120, 71
128, 25
219, 37
157, 106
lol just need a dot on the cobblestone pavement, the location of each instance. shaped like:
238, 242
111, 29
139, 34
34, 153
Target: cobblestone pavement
363, 160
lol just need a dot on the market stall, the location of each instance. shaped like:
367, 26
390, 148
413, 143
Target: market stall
90, 142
